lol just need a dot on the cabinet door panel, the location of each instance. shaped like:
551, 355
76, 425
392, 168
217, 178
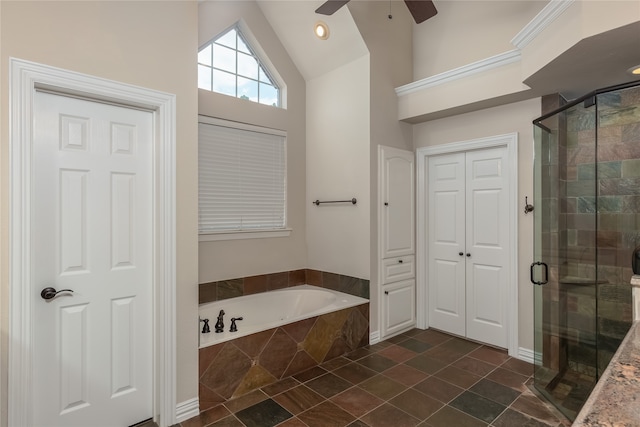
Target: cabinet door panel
398, 311
397, 190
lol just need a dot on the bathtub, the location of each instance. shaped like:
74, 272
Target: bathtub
269, 310
283, 333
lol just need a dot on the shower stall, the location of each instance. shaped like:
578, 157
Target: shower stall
587, 225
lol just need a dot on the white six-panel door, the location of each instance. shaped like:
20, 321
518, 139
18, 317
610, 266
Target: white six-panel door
92, 234
468, 266
487, 243
446, 236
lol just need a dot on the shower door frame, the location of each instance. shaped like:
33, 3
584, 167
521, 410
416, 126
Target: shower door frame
589, 100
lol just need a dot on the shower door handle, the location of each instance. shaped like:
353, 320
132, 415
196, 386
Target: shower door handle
546, 273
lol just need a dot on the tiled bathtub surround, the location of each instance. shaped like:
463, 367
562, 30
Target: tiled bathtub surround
224, 289
234, 368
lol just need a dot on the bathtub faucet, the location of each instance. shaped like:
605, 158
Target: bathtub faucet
220, 324
233, 327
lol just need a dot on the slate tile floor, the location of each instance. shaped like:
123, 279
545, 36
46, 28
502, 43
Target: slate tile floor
419, 378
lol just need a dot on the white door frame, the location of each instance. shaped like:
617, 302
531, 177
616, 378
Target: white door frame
24, 79
510, 141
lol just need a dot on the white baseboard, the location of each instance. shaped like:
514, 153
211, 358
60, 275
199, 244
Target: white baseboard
526, 354
374, 337
187, 409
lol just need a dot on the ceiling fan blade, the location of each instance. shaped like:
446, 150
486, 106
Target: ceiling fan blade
421, 10
331, 6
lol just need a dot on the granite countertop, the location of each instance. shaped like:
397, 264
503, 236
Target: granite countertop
615, 400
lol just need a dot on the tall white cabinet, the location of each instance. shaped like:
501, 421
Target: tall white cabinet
396, 217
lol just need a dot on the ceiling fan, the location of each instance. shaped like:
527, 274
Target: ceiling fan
421, 10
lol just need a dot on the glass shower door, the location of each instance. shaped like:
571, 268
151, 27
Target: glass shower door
564, 269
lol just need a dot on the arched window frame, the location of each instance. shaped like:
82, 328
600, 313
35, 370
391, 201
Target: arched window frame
261, 85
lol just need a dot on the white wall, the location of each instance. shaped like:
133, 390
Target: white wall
338, 114
149, 44
583, 19
467, 31
518, 118
231, 259
390, 49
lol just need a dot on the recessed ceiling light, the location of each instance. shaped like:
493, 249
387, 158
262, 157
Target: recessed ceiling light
321, 30
635, 70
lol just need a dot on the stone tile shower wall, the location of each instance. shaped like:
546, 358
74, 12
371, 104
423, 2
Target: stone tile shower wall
224, 289
591, 217
234, 368
618, 177
602, 248
577, 274
553, 239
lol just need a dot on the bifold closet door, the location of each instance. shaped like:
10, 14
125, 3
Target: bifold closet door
487, 243
446, 236
468, 244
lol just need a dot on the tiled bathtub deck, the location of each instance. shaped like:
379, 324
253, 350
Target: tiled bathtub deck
420, 378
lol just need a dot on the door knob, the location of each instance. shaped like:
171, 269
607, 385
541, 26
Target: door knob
50, 293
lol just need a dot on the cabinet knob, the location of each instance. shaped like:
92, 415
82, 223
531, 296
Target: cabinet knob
468, 254
386, 292
400, 261
461, 253
386, 203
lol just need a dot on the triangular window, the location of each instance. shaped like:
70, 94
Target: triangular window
229, 66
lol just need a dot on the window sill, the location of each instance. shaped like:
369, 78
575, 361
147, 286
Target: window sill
244, 234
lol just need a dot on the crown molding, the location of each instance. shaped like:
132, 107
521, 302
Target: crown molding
461, 72
540, 22
530, 31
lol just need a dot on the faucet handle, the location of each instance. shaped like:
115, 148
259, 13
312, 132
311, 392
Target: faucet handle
205, 328
233, 327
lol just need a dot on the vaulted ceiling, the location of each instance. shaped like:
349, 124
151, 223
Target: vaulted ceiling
592, 63
293, 22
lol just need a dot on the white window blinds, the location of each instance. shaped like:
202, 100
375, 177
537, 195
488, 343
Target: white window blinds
242, 179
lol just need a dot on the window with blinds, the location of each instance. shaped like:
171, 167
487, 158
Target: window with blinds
241, 178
